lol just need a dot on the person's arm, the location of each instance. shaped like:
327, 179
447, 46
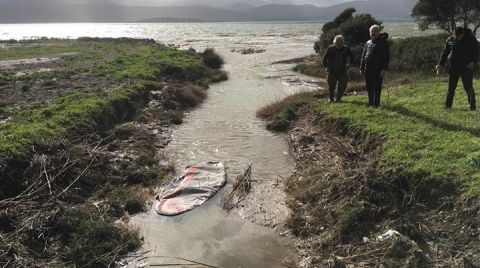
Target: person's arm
350, 56
445, 53
325, 58
476, 50
362, 59
385, 56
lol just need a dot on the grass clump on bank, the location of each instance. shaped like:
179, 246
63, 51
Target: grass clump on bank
211, 59
92, 240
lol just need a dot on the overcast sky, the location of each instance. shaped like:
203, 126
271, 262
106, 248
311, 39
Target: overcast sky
227, 2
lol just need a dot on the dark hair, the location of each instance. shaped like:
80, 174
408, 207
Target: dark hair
459, 30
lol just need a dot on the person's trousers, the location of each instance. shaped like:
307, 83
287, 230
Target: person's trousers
467, 79
339, 82
374, 88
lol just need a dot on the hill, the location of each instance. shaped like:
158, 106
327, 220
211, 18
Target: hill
31, 11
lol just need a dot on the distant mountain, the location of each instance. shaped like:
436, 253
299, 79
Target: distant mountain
158, 20
239, 6
284, 12
383, 9
30, 11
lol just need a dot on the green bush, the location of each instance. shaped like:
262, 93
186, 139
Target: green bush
211, 59
355, 29
416, 54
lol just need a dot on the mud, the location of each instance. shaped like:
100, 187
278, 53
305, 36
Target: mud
34, 62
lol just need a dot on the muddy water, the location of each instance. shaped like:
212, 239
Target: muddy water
225, 128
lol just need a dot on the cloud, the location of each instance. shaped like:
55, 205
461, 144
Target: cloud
222, 3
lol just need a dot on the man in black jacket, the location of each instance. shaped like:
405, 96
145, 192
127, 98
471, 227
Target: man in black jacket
374, 64
337, 60
461, 53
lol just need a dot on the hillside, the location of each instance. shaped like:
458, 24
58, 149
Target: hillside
30, 11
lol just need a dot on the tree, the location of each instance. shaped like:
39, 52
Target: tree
446, 14
353, 28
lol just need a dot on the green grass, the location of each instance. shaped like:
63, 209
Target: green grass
29, 52
132, 61
80, 112
131, 199
115, 60
150, 63
418, 134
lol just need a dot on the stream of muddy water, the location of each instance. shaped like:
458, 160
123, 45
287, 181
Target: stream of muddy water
224, 128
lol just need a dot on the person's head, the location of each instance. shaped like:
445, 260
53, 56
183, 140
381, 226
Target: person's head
459, 32
374, 31
338, 41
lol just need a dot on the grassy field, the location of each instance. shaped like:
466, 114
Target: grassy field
118, 64
418, 133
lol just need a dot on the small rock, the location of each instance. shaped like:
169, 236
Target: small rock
142, 264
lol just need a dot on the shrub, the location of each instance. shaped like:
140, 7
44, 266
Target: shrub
416, 54
190, 96
217, 75
311, 69
211, 59
355, 29
87, 235
27, 86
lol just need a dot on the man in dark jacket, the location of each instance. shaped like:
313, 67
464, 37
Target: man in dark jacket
337, 60
374, 64
461, 53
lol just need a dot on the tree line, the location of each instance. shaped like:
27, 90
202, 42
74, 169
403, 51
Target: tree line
442, 14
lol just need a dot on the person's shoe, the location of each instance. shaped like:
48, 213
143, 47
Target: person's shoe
447, 108
331, 101
473, 108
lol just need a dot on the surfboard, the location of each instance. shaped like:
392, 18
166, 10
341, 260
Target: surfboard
193, 188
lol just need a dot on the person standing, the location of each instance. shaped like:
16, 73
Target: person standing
374, 64
337, 59
460, 54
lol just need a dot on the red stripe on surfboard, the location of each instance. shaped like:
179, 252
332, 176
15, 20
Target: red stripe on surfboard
171, 205
168, 205
189, 175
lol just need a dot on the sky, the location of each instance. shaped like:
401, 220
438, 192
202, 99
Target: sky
221, 3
